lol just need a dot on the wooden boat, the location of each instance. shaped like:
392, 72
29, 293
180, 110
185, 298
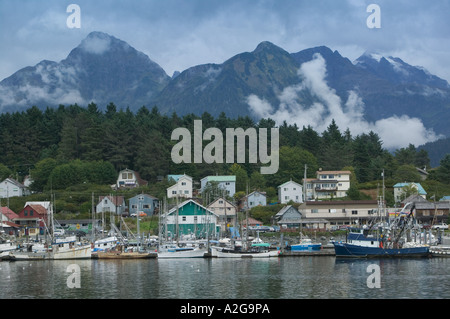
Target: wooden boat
120, 252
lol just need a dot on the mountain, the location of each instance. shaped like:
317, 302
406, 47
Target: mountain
101, 69
104, 69
224, 87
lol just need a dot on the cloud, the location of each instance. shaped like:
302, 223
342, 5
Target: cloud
395, 132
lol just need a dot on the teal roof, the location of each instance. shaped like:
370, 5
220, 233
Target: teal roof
216, 178
420, 189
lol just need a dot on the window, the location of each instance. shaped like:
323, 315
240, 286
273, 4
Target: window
220, 201
314, 211
330, 176
183, 218
146, 206
186, 192
354, 212
174, 192
31, 212
183, 183
25, 213
195, 219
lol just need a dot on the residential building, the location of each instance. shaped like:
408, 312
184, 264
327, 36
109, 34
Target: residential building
12, 188
129, 179
226, 212
290, 191
111, 204
182, 187
254, 199
432, 212
7, 224
33, 220
332, 214
328, 185
7, 215
143, 203
288, 217
227, 183
190, 219
401, 191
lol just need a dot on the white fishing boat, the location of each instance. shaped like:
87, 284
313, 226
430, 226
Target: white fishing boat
257, 250
175, 251
62, 248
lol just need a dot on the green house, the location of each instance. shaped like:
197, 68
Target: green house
190, 219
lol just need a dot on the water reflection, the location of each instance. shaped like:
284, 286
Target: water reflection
274, 278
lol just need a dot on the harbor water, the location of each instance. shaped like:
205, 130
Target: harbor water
323, 277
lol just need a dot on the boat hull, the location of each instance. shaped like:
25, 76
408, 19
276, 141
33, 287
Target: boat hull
123, 255
175, 253
73, 253
223, 253
306, 247
357, 251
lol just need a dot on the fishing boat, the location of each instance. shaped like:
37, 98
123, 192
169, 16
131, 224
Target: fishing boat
306, 244
61, 248
256, 250
121, 252
176, 251
393, 240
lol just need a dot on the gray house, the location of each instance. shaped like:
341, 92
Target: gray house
143, 203
288, 217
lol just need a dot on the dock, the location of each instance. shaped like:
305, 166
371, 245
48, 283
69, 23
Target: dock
323, 252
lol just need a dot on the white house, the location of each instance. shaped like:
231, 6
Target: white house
328, 184
290, 191
400, 191
227, 183
182, 186
129, 179
255, 199
12, 188
113, 204
226, 212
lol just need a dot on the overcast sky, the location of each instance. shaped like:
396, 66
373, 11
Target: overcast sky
178, 34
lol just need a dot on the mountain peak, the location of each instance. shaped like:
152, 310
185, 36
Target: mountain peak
99, 42
267, 46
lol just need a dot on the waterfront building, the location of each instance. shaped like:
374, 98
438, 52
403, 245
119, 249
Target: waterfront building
129, 179
190, 218
111, 204
288, 217
226, 212
333, 214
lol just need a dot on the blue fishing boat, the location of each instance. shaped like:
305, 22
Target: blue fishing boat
306, 244
389, 241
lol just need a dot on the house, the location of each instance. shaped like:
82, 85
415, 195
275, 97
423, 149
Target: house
288, 217
332, 214
143, 203
254, 199
226, 212
227, 183
290, 191
12, 188
113, 204
430, 212
190, 219
7, 217
328, 184
182, 187
33, 220
129, 179
401, 191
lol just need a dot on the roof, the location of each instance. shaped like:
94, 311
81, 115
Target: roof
429, 205
254, 192
14, 182
445, 198
333, 172
284, 210
116, 200
288, 182
8, 213
187, 202
221, 198
177, 177
145, 195
218, 178
420, 189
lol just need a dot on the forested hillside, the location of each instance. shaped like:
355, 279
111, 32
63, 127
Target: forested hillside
71, 145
